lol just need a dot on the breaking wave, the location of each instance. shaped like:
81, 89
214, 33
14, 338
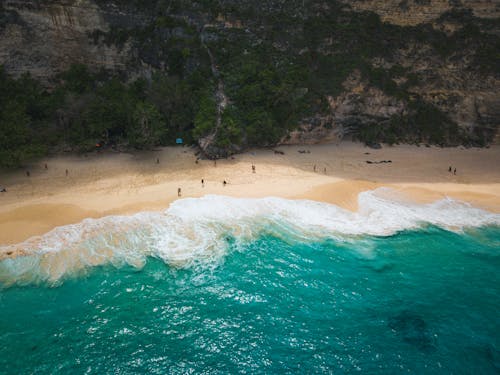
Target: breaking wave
198, 231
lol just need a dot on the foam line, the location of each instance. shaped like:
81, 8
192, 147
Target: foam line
194, 231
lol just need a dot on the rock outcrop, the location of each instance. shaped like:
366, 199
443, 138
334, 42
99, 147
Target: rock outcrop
414, 12
360, 104
47, 37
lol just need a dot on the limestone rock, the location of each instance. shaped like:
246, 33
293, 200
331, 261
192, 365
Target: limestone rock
49, 37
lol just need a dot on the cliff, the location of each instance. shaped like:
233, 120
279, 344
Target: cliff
45, 38
414, 12
350, 67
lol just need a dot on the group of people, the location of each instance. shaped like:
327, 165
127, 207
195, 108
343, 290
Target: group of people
179, 190
28, 174
224, 182
46, 167
314, 169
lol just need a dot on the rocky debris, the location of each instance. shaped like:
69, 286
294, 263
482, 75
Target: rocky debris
378, 162
374, 146
207, 144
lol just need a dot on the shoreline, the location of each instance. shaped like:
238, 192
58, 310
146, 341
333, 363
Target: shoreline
106, 184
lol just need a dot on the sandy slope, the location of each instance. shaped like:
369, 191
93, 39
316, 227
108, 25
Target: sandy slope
113, 183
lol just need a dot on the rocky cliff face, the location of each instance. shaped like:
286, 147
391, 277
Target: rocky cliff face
45, 38
414, 12
453, 83
358, 103
441, 61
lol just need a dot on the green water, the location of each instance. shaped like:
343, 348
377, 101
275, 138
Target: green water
423, 301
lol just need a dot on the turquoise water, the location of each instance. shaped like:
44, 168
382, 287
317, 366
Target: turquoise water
420, 300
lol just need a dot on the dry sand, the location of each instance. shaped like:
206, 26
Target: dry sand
117, 183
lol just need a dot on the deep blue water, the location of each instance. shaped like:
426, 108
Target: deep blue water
422, 301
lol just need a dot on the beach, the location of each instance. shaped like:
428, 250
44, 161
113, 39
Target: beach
381, 267
111, 183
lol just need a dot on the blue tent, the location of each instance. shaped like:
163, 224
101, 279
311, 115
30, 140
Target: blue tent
178, 141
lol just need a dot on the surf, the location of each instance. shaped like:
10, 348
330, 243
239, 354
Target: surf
197, 232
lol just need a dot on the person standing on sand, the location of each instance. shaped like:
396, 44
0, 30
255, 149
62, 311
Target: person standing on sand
67, 172
202, 182
449, 169
27, 173
253, 168
46, 167
157, 161
224, 183
314, 168
455, 171
179, 192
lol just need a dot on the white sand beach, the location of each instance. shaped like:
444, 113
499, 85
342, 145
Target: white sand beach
110, 183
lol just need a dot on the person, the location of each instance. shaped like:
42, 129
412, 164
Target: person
324, 170
224, 183
449, 169
3, 190
202, 182
27, 173
178, 192
253, 168
46, 167
215, 163
157, 161
455, 171
67, 172
314, 168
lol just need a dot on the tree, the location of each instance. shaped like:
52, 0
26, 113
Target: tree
229, 134
204, 121
78, 79
146, 128
109, 113
15, 145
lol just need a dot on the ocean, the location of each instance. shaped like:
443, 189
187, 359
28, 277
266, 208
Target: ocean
220, 285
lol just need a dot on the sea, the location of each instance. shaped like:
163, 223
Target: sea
220, 285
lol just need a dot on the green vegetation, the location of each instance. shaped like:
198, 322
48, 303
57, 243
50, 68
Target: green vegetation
86, 109
205, 119
424, 124
145, 129
25, 114
277, 69
267, 97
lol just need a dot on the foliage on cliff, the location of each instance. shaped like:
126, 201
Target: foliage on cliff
24, 116
278, 62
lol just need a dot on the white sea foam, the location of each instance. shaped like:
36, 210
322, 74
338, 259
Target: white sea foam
195, 231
